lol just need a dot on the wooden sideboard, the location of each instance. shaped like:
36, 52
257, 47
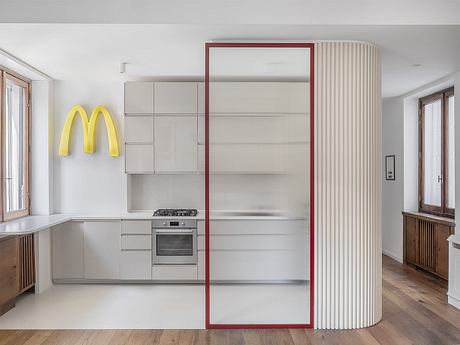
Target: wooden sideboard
17, 268
425, 242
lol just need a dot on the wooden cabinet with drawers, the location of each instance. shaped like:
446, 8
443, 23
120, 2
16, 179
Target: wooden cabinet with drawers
425, 242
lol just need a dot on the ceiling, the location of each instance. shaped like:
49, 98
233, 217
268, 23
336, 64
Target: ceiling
287, 12
176, 51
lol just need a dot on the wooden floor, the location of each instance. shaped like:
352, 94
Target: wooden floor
415, 311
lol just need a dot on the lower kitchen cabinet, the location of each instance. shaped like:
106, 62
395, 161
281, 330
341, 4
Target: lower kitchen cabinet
255, 250
174, 272
68, 250
136, 264
101, 249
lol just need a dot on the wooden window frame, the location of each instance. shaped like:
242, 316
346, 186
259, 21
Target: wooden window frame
5, 75
442, 210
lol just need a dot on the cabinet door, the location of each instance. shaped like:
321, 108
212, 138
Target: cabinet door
139, 129
139, 98
67, 239
175, 143
102, 249
136, 264
442, 232
139, 158
175, 98
8, 271
259, 97
411, 240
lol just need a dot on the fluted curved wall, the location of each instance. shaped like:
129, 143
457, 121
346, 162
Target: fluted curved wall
348, 267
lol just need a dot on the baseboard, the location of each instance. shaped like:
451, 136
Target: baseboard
400, 260
453, 301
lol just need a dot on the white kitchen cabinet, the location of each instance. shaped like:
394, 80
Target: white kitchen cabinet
175, 144
270, 250
139, 129
136, 265
136, 242
175, 98
102, 248
201, 98
248, 158
67, 244
201, 267
259, 265
454, 270
139, 158
174, 272
139, 98
136, 227
259, 97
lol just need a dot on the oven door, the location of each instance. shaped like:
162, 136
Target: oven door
175, 247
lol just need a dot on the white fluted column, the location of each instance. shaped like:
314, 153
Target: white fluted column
348, 266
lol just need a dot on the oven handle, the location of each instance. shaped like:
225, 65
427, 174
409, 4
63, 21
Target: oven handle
175, 231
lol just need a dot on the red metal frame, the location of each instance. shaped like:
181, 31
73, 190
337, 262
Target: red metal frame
208, 46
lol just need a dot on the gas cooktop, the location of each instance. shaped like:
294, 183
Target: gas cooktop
175, 212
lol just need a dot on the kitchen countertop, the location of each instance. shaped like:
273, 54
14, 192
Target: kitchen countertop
31, 224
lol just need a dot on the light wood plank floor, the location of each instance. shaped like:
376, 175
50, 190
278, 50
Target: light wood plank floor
415, 311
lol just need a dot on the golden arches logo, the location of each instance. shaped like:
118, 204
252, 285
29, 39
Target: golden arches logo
89, 129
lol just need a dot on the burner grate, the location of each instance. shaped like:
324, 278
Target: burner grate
175, 212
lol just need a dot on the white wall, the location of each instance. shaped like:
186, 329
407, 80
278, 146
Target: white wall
392, 191
89, 183
400, 137
42, 145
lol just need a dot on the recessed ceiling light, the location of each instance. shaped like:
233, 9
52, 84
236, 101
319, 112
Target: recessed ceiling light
416, 65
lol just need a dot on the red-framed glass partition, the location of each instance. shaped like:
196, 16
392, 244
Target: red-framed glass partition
258, 157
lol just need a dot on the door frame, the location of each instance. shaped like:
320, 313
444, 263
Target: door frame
208, 47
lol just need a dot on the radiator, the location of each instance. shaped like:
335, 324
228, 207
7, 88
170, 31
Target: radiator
26, 267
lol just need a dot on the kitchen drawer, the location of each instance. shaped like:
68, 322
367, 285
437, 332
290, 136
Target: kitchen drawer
136, 242
139, 129
136, 227
292, 242
259, 265
255, 227
136, 265
174, 272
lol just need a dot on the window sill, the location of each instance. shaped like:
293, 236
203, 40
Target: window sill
430, 217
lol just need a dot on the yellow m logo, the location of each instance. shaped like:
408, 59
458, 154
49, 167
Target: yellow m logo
89, 128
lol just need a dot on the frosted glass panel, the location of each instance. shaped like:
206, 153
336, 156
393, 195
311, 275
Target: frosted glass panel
450, 154
259, 190
432, 152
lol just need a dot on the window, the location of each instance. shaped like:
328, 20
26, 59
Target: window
436, 153
14, 146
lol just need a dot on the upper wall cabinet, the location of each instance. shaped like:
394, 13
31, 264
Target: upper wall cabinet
139, 129
175, 98
175, 144
257, 97
139, 98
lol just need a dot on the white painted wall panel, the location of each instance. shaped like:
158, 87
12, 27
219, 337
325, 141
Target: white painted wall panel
348, 174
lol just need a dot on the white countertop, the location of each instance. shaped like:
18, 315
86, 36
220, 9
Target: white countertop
454, 239
31, 224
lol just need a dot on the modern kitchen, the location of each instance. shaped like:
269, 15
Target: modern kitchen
231, 180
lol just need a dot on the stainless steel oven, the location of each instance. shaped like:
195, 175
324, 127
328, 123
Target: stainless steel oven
174, 242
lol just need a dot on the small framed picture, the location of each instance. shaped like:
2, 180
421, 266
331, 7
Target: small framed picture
390, 167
